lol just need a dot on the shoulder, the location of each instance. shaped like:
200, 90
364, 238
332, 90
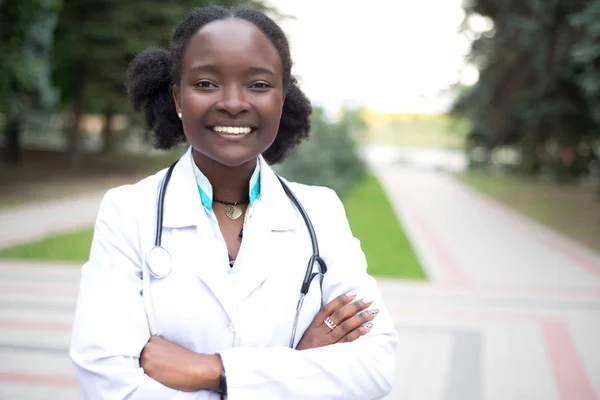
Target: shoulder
328, 217
130, 199
314, 194
322, 204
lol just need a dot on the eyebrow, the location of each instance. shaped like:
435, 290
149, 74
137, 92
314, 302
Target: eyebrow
252, 70
261, 70
209, 68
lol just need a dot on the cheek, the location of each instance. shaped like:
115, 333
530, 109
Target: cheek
195, 102
269, 108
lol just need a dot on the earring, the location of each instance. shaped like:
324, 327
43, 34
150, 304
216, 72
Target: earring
179, 114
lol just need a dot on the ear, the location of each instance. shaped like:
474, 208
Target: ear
176, 97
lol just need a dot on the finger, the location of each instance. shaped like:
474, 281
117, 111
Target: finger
350, 310
358, 332
331, 307
353, 323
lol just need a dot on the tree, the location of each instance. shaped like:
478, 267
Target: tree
26, 91
539, 81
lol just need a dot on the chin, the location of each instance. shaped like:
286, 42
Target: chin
232, 157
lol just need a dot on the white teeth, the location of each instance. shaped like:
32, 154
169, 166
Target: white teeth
230, 130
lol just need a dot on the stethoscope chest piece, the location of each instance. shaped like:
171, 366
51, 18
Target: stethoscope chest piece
159, 263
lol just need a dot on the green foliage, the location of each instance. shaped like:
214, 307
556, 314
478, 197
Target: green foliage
585, 55
539, 85
26, 31
330, 157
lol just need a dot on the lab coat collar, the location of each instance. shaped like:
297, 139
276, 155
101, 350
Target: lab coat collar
183, 208
282, 213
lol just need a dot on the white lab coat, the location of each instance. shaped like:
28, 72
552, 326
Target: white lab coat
246, 315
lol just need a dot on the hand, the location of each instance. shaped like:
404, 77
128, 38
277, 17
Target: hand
351, 320
179, 368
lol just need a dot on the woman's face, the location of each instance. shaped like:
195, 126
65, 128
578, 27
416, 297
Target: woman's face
230, 93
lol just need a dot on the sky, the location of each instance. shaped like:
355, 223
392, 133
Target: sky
386, 55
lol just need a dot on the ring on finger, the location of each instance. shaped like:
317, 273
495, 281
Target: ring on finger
330, 323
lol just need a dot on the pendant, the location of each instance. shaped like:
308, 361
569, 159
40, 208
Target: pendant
233, 212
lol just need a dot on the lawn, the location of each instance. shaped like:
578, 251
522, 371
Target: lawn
374, 223
371, 216
573, 210
73, 246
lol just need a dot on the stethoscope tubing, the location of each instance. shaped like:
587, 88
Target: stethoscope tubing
308, 276
160, 209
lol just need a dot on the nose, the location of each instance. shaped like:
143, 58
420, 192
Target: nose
233, 100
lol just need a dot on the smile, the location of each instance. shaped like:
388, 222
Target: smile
232, 130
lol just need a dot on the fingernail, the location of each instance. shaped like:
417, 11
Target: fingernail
368, 325
374, 311
368, 300
351, 293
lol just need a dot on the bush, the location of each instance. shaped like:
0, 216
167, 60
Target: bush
330, 157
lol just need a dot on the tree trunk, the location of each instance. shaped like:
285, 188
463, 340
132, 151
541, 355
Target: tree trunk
75, 140
107, 130
12, 151
530, 161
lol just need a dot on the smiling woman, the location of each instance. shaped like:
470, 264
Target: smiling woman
235, 241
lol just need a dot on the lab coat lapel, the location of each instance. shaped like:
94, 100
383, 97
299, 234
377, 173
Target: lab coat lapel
273, 219
197, 249
204, 259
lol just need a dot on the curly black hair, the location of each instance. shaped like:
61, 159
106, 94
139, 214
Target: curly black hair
153, 72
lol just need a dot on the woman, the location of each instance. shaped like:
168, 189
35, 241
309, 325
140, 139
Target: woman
219, 322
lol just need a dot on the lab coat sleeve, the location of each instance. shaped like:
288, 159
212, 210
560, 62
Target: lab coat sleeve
363, 369
110, 327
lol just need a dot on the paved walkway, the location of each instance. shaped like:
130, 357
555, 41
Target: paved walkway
37, 303
512, 310
464, 238
35, 221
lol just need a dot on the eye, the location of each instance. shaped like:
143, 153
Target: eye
205, 85
260, 86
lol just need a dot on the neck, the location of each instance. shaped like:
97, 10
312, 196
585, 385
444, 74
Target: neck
228, 183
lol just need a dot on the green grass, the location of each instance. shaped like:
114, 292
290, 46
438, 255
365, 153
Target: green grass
373, 221
66, 247
371, 217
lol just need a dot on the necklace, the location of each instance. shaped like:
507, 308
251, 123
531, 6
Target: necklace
233, 210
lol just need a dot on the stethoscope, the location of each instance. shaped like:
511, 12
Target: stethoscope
160, 264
